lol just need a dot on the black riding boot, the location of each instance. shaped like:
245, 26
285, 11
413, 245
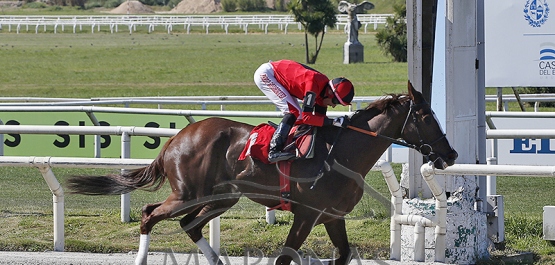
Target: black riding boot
279, 139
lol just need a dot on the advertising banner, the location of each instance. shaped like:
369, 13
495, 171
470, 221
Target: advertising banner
65, 145
531, 152
520, 43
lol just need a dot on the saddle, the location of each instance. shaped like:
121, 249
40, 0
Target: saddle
300, 142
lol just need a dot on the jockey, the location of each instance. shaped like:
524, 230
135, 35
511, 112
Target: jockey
285, 81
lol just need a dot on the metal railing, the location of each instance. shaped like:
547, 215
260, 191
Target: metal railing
202, 101
222, 101
168, 22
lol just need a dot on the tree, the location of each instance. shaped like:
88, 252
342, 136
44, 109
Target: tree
314, 16
393, 38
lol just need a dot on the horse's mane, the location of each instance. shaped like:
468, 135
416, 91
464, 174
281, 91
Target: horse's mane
381, 105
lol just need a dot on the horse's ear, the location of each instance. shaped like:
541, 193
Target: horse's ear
414, 94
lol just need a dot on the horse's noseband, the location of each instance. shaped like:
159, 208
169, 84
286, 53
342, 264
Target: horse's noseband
425, 149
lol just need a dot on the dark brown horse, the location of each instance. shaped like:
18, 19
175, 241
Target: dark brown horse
206, 178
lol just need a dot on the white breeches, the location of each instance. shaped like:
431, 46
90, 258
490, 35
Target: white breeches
265, 80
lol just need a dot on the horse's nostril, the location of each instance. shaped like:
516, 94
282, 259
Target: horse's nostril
453, 155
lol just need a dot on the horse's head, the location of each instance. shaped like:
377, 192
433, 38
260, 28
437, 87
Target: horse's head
423, 130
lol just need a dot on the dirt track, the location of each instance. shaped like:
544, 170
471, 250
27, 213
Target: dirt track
76, 258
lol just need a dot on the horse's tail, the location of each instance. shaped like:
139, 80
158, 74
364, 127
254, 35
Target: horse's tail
150, 178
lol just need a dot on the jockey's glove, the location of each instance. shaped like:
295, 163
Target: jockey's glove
342, 122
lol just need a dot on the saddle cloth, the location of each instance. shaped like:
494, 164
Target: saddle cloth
300, 141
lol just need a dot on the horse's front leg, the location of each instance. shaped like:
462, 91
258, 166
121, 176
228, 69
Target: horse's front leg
303, 222
338, 235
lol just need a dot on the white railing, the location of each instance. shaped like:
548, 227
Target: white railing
491, 171
203, 101
168, 22
536, 98
45, 164
495, 134
439, 220
428, 173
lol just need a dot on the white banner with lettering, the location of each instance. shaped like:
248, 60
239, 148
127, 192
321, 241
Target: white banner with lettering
532, 152
520, 43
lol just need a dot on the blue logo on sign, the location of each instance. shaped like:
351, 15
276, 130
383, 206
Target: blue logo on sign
536, 12
547, 51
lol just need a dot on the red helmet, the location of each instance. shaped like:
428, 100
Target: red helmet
343, 90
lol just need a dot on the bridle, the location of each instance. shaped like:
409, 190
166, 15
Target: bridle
424, 148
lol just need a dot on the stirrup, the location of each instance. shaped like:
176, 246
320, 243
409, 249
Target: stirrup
280, 156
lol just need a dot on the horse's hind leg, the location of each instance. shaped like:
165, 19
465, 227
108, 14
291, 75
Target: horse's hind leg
144, 240
154, 213
193, 223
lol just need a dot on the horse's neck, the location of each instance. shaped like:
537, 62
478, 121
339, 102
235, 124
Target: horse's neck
369, 149
390, 123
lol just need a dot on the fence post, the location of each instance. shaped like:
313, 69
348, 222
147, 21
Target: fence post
125, 198
58, 204
214, 227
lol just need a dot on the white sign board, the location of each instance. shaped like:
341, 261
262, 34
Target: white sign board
532, 152
520, 43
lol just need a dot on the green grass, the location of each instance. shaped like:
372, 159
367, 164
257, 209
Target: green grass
88, 65
104, 64
93, 223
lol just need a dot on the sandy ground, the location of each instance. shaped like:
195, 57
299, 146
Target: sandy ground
132, 7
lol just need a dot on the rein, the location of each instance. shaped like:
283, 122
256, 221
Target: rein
374, 134
421, 148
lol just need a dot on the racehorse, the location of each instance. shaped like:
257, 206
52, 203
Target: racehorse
201, 164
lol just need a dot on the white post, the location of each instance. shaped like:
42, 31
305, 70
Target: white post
415, 64
125, 198
491, 179
419, 241
270, 216
1, 141
215, 234
58, 205
397, 208
97, 146
395, 229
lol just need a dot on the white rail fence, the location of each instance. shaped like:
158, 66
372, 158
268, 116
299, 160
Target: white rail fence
537, 99
495, 134
439, 221
45, 165
491, 171
222, 101
168, 22
202, 101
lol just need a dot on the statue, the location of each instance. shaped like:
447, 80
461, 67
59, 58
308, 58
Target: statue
352, 10
353, 51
